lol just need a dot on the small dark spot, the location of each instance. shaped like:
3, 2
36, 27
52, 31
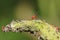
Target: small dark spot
17, 28
32, 32
41, 38
58, 37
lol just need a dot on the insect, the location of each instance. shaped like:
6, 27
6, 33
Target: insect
41, 29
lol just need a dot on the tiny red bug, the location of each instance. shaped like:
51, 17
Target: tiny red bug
34, 17
57, 28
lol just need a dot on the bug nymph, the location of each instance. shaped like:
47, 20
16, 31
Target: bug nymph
40, 29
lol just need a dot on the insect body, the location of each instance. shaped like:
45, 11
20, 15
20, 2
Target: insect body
39, 28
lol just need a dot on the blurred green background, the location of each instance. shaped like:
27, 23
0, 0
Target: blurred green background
48, 10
